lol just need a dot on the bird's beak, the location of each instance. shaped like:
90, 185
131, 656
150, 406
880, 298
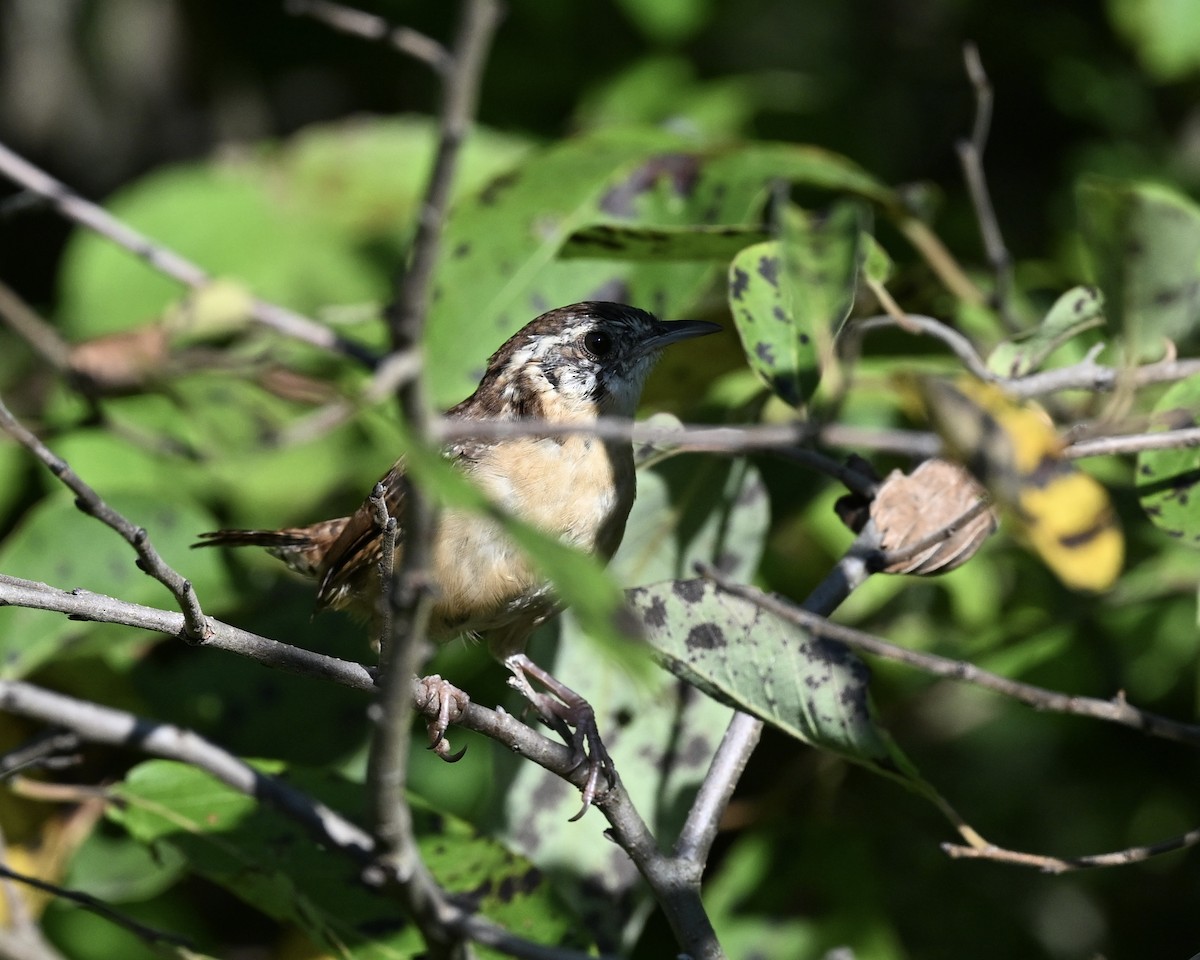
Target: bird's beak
672, 331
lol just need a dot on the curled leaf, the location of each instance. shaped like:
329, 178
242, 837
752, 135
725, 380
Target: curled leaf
910, 509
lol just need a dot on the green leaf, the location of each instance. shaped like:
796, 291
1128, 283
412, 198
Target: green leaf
1077, 310
224, 219
269, 862
1169, 480
609, 242
760, 299
691, 509
57, 544
1143, 241
813, 689
789, 298
1165, 34
668, 21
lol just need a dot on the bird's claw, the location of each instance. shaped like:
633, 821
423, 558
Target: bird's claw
444, 704
575, 721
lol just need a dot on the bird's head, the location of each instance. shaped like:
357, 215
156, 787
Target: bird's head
579, 362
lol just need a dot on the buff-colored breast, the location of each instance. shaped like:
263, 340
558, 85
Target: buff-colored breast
579, 490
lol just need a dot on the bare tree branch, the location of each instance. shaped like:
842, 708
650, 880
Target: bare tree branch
41, 336
166, 261
81, 604
370, 27
931, 327
970, 155
1049, 864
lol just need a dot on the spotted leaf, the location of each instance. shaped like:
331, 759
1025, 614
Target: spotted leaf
1169, 480
789, 298
743, 655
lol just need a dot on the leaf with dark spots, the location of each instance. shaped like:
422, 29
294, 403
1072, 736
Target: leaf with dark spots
678, 170
655, 614
491, 194
705, 636
764, 353
1169, 478
660, 243
739, 280
768, 269
811, 688
689, 591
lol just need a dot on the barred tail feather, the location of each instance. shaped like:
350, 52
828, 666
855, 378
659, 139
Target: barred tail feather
301, 548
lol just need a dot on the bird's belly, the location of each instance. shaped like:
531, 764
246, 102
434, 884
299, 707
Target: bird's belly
578, 491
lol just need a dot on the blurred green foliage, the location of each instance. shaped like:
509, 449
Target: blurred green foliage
642, 115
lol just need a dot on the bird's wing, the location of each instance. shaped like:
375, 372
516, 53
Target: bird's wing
356, 551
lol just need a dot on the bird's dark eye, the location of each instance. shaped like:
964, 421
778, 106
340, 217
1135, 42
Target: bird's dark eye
598, 344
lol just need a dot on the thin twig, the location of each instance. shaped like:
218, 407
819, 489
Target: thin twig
101, 909
1048, 864
97, 608
929, 326
1134, 443
460, 95
42, 338
359, 23
167, 261
741, 736
90, 502
970, 155
1096, 378
1116, 710
51, 750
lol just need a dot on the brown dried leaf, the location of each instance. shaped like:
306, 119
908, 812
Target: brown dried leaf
122, 362
912, 509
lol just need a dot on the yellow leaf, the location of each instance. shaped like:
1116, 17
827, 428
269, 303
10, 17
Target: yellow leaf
1014, 450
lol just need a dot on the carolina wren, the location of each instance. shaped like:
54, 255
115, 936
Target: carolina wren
570, 365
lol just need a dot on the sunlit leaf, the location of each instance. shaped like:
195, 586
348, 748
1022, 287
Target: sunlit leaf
1164, 33
1169, 480
503, 265
738, 653
1077, 310
789, 298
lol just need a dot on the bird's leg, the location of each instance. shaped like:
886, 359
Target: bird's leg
565, 710
443, 703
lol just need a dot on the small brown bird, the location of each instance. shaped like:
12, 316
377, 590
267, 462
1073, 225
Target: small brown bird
570, 366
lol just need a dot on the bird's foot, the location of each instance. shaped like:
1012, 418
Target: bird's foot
444, 704
574, 719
